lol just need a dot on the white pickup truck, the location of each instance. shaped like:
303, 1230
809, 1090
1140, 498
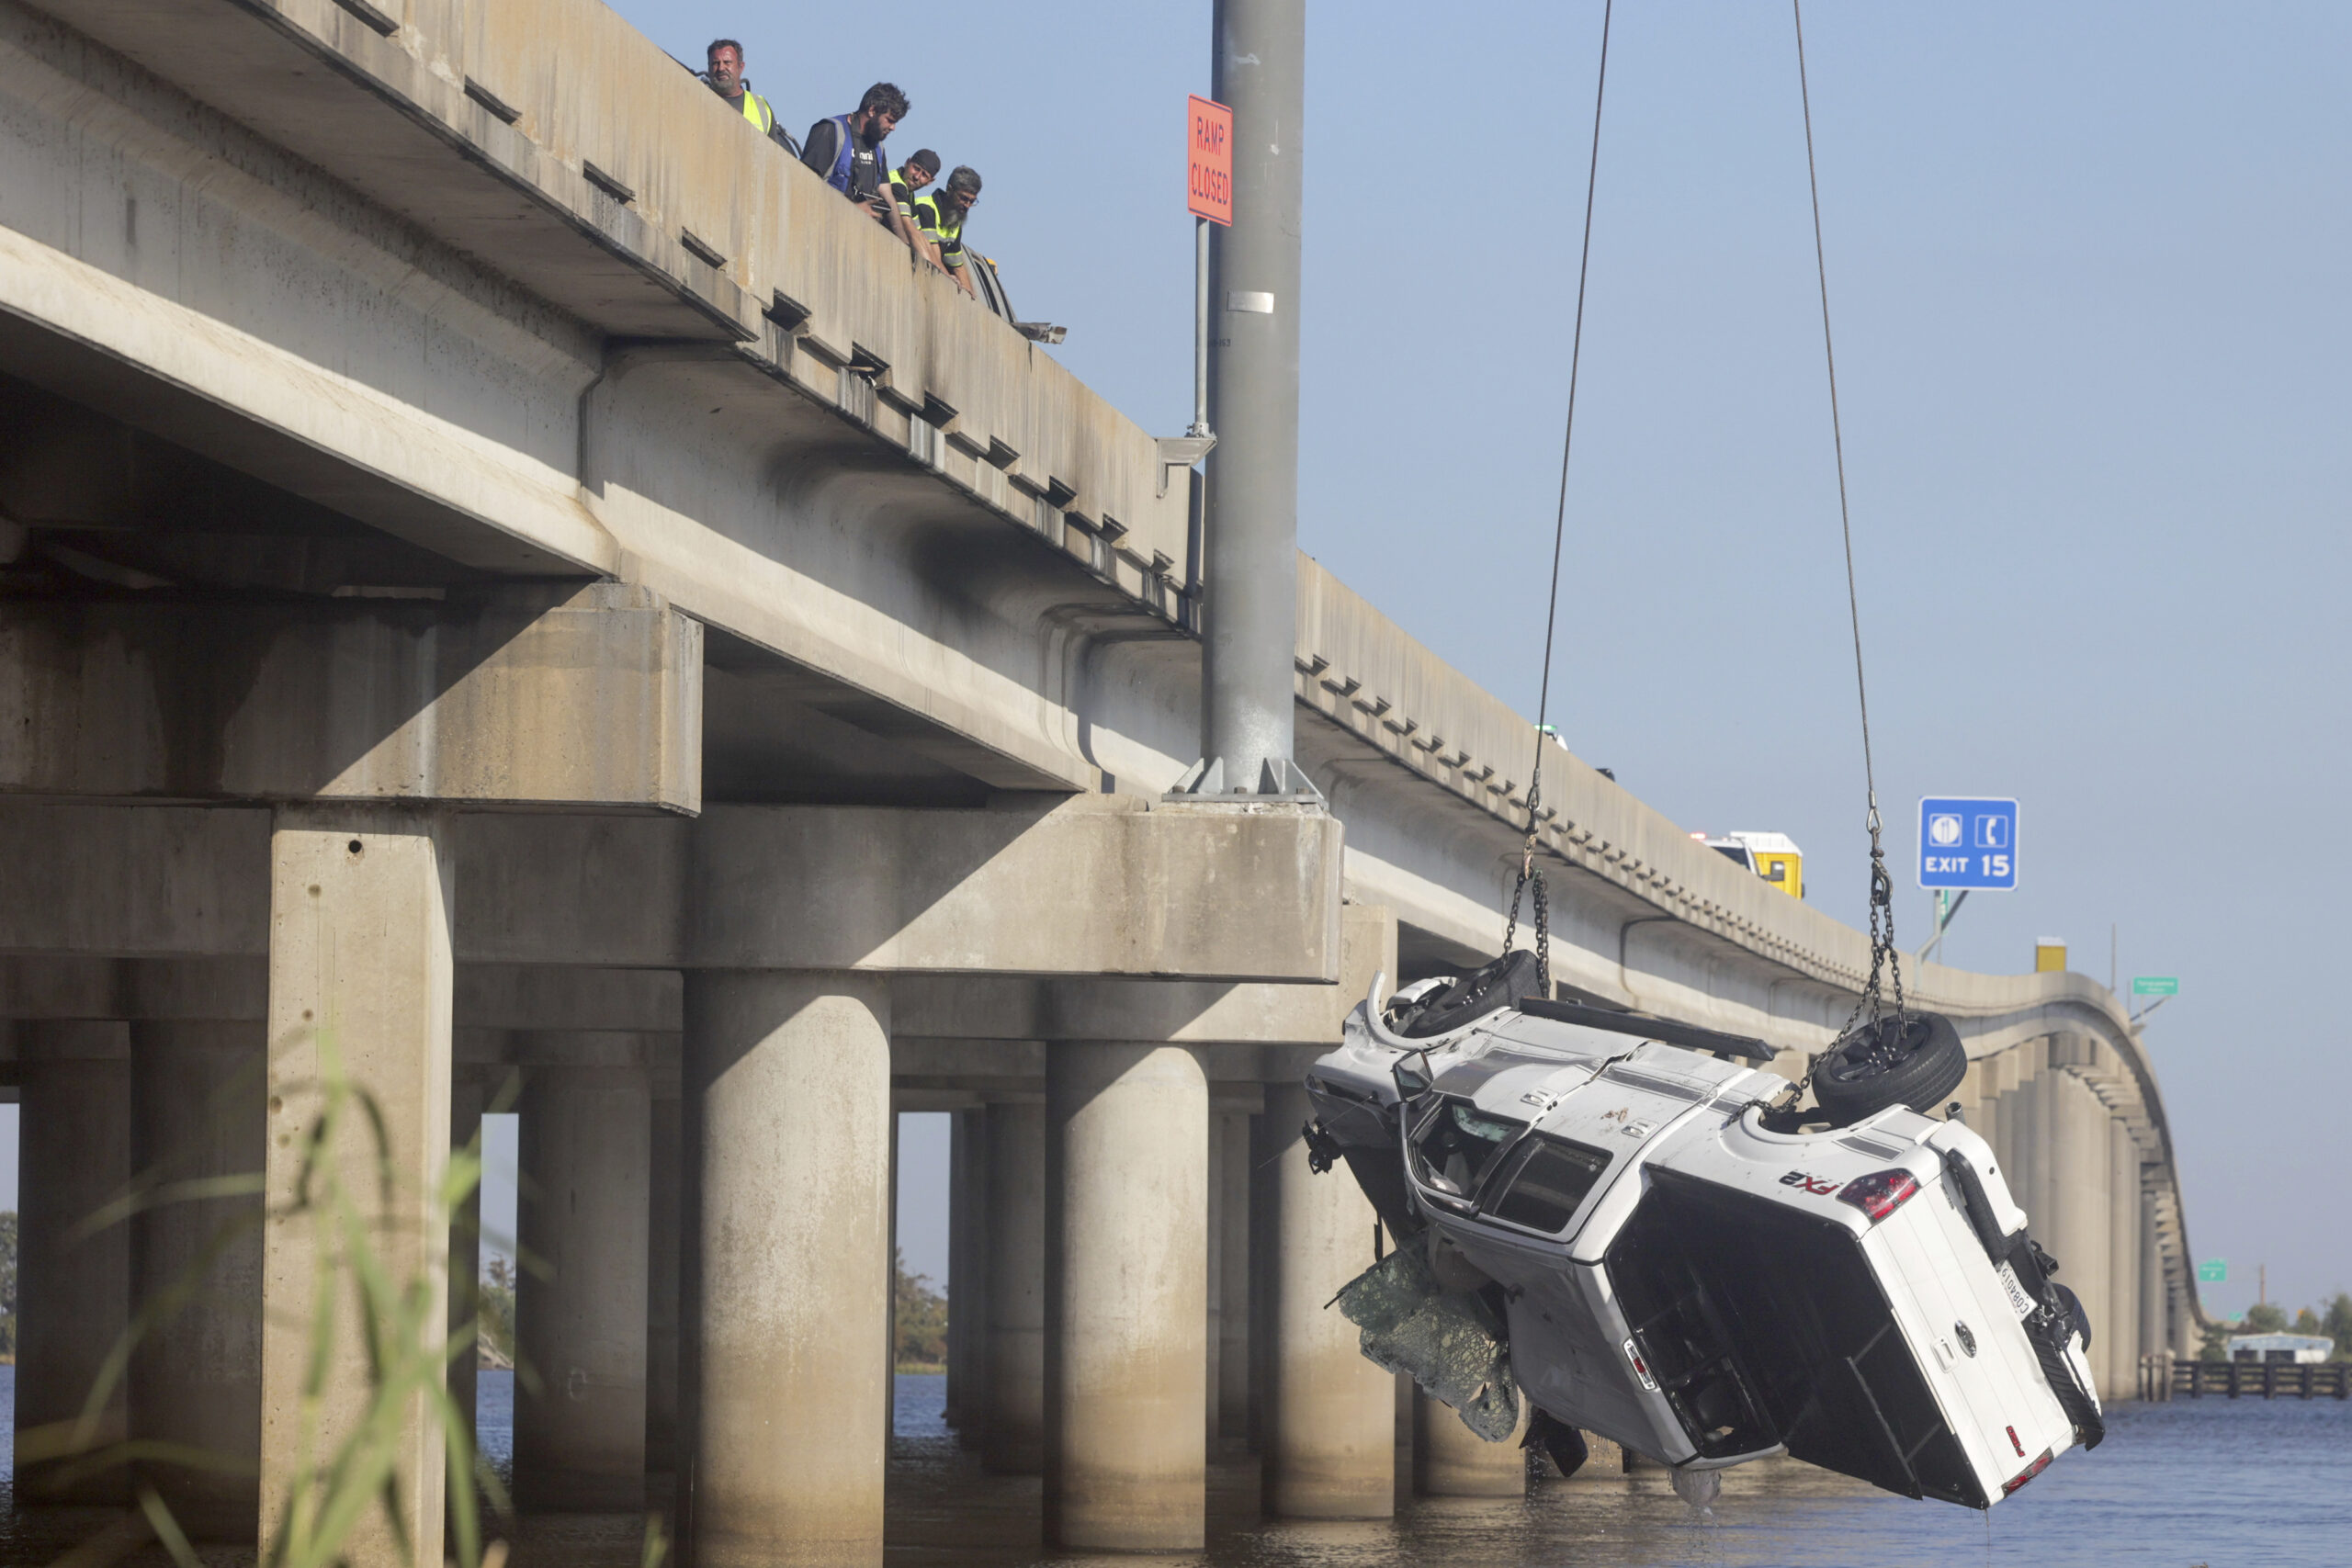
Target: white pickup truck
1605, 1216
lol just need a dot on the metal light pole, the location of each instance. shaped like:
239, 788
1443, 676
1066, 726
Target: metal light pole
1251, 545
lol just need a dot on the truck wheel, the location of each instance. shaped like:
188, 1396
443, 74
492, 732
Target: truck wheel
1500, 985
1914, 1060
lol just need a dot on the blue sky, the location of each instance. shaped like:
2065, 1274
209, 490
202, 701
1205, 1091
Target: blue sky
2087, 266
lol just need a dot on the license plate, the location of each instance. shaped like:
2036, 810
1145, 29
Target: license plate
2019, 1302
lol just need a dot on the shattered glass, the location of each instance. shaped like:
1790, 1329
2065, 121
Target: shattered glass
1448, 1341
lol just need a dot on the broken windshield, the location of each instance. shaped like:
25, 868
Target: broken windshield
1453, 1149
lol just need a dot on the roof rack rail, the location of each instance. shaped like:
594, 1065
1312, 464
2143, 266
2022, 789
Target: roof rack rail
1744, 1046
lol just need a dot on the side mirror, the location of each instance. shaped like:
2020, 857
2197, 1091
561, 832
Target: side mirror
1412, 1074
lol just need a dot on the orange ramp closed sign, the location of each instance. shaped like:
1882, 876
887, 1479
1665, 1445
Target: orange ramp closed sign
1209, 178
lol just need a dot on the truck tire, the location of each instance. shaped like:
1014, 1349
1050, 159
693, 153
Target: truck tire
1498, 986
1913, 1060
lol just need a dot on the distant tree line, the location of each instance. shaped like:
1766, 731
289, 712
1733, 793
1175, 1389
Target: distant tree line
921, 1316
2334, 1321
8, 1285
495, 1305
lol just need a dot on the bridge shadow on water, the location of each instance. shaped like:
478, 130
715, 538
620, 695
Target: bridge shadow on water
2209, 1481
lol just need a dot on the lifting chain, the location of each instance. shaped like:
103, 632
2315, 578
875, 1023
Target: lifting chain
1886, 959
1529, 875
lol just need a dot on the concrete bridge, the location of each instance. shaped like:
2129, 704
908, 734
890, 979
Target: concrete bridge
505, 571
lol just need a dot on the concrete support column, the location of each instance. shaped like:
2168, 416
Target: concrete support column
1330, 1436
2153, 1338
1013, 1418
586, 1156
360, 977
2124, 1258
663, 1217
1451, 1461
197, 1114
2078, 1191
1231, 1175
1126, 1309
468, 1094
1215, 1333
2030, 1142
787, 1129
72, 1291
2008, 1110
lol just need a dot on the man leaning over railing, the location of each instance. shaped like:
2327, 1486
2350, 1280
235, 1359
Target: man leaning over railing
845, 149
724, 73
941, 216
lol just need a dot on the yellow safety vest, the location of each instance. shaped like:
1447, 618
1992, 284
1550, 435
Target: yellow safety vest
943, 224
899, 177
757, 110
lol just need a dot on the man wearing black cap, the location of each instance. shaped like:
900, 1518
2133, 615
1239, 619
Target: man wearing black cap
941, 215
908, 178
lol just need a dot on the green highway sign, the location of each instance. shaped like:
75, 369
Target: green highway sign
2156, 984
2214, 1271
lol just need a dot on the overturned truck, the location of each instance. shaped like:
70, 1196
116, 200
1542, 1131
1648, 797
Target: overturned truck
1615, 1221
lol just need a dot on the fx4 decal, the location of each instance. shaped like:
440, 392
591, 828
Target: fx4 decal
1812, 1184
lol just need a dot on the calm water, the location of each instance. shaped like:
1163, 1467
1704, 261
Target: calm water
2211, 1481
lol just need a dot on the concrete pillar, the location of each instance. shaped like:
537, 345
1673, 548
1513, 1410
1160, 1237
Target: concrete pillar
2008, 1110
663, 1217
2153, 1338
1215, 1333
360, 979
1331, 1427
787, 1109
197, 1114
468, 1094
1126, 1309
2124, 1257
1263, 1196
1013, 1418
2077, 1184
2030, 1144
72, 1290
585, 1157
1231, 1239
1451, 1461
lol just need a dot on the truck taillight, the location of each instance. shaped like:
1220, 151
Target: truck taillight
1880, 1194
2028, 1473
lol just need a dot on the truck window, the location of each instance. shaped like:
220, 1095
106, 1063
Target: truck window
1548, 1180
1457, 1145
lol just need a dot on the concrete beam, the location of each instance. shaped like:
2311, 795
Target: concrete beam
1181, 1012
1090, 885
542, 694
1093, 886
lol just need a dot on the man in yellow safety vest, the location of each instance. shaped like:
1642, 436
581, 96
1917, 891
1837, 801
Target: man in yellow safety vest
726, 78
940, 217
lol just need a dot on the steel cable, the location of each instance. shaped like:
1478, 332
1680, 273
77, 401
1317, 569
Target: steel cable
1883, 953
1526, 871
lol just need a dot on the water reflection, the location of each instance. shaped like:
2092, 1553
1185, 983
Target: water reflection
2194, 1481
2178, 1484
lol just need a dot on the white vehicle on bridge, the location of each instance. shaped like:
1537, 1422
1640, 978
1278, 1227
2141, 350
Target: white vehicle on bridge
1604, 1214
